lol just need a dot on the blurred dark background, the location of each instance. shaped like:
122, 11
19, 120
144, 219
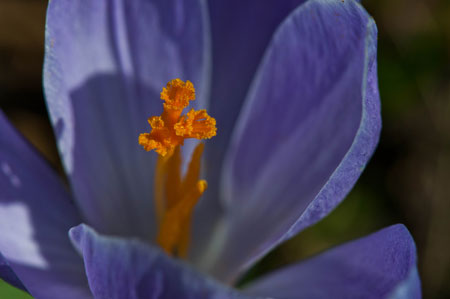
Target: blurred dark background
407, 180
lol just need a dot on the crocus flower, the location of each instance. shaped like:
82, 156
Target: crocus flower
293, 88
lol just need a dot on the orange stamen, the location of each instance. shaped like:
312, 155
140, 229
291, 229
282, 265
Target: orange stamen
174, 177
170, 236
176, 196
177, 94
196, 124
171, 128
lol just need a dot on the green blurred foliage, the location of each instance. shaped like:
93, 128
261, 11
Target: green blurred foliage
405, 182
7, 292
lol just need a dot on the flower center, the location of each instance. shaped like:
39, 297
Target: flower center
176, 196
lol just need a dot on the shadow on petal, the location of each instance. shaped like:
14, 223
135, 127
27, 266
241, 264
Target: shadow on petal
36, 213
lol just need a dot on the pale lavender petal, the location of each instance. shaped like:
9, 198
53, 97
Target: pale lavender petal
308, 128
381, 265
36, 213
125, 268
106, 63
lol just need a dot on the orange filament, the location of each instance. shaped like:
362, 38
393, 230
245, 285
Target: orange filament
171, 128
176, 196
181, 196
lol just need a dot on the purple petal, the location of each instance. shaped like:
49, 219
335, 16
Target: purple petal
35, 216
241, 31
8, 275
106, 62
307, 130
375, 266
121, 268
410, 288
